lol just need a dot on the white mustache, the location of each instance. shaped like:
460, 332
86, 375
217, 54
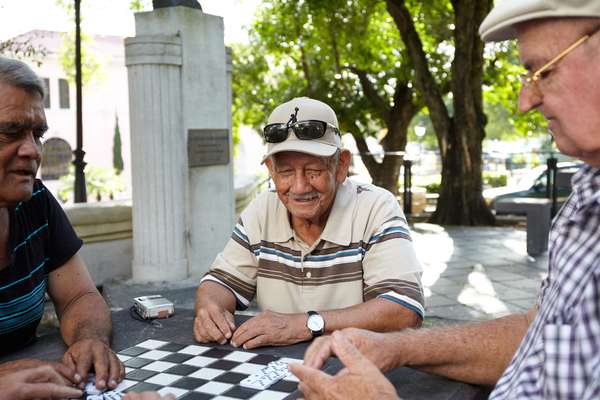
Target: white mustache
303, 196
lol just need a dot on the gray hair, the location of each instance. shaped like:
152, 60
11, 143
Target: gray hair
18, 74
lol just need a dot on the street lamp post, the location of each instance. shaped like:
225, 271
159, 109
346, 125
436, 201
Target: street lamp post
80, 195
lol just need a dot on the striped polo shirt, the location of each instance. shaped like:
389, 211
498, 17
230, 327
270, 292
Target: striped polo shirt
364, 252
41, 239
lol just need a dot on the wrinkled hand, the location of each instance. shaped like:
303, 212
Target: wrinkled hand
67, 373
360, 379
36, 383
86, 354
213, 324
370, 344
271, 329
147, 396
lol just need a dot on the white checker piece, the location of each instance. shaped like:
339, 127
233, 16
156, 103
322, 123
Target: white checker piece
159, 366
171, 390
199, 361
194, 350
151, 344
163, 379
155, 354
214, 387
206, 373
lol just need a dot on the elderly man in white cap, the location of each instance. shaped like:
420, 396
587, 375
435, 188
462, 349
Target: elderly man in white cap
319, 253
553, 351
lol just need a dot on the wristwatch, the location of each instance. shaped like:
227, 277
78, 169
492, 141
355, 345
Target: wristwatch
315, 323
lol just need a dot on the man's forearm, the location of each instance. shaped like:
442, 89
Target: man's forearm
475, 353
87, 317
213, 293
378, 315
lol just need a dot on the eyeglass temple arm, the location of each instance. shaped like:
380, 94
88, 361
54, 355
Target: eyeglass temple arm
566, 51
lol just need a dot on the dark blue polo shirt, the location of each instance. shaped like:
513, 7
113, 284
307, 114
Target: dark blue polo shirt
41, 239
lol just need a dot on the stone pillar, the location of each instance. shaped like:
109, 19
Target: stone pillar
182, 172
159, 175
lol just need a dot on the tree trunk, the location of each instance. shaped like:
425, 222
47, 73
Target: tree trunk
460, 135
397, 118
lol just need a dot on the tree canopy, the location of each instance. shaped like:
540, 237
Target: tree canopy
378, 64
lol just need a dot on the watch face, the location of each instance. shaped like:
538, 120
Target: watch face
315, 323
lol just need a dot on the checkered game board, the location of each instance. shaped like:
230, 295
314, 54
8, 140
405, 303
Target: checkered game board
193, 372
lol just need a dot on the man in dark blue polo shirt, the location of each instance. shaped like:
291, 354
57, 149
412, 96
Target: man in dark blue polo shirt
39, 251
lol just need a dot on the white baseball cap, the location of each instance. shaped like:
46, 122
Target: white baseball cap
308, 109
500, 23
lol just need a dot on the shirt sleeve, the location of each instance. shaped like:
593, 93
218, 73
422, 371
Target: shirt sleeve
63, 242
391, 268
236, 266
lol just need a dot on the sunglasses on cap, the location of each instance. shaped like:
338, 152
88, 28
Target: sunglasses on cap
304, 130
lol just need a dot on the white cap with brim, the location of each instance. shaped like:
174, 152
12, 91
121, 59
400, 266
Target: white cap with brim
500, 23
308, 109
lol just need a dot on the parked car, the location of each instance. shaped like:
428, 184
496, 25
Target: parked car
534, 185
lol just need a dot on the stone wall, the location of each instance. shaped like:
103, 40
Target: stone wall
106, 231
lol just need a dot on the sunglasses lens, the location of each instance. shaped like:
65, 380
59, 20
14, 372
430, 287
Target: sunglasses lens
275, 133
308, 130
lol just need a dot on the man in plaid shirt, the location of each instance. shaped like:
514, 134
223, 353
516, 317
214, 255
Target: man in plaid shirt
553, 351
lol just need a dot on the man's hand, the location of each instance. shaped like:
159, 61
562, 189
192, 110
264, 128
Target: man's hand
213, 324
147, 396
360, 379
86, 354
271, 329
67, 373
371, 344
41, 382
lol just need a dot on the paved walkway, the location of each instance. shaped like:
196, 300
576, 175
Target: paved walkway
473, 273
469, 274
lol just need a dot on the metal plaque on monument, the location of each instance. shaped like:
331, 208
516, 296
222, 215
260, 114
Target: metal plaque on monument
56, 158
208, 147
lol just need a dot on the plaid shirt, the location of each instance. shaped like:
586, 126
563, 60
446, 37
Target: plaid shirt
559, 358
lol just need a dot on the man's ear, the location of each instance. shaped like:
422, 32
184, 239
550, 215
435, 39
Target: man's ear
343, 165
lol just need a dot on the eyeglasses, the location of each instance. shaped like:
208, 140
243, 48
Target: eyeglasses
304, 130
534, 79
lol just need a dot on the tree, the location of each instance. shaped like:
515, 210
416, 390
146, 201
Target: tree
23, 48
90, 66
339, 52
459, 133
377, 63
117, 156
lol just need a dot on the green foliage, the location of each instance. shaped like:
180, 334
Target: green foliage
90, 65
495, 179
100, 182
23, 49
316, 49
501, 92
433, 187
117, 156
140, 5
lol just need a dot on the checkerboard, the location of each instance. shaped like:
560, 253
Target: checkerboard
194, 372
